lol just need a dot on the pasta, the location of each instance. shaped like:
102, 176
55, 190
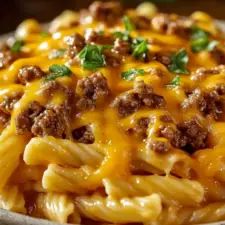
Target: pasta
114, 116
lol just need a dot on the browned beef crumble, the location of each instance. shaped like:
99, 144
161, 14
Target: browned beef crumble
9, 101
4, 118
50, 123
29, 73
122, 47
26, 118
141, 95
75, 43
141, 22
219, 55
91, 89
209, 103
189, 135
6, 58
107, 12
163, 57
92, 36
172, 24
84, 135
159, 146
166, 118
112, 58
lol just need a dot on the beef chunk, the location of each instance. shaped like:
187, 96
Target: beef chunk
211, 104
92, 36
112, 58
159, 146
29, 73
219, 55
84, 135
107, 12
172, 24
4, 118
141, 22
189, 135
49, 123
26, 118
91, 89
132, 101
75, 43
122, 47
6, 58
9, 101
163, 57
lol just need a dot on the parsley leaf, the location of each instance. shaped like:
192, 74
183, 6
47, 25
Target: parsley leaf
179, 62
16, 47
122, 35
200, 40
132, 73
140, 48
129, 26
175, 82
44, 34
57, 71
57, 53
92, 57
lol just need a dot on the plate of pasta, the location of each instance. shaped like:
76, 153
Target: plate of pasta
113, 116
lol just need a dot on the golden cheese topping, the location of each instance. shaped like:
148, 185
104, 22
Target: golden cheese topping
119, 117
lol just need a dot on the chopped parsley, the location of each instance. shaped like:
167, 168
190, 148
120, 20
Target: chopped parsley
179, 62
17, 46
132, 73
57, 53
92, 56
140, 48
175, 82
44, 34
128, 24
200, 40
57, 71
122, 35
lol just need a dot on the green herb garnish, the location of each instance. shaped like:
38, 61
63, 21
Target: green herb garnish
132, 73
140, 48
17, 46
129, 26
44, 34
92, 56
122, 35
179, 62
57, 53
175, 82
57, 71
200, 40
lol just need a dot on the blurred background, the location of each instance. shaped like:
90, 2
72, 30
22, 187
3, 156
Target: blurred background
12, 12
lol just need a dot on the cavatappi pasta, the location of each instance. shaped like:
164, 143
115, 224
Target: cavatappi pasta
114, 116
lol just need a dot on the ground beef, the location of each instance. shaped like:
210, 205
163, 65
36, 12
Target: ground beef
49, 123
141, 22
26, 118
189, 135
4, 118
75, 43
201, 73
9, 101
29, 73
112, 58
159, 146
172, 24
6, 58
141, 95
84, 135
166, 118
163, 57
141, 127
209, 103
122, 47
219, 55
91, 89
95, 37
107, 12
